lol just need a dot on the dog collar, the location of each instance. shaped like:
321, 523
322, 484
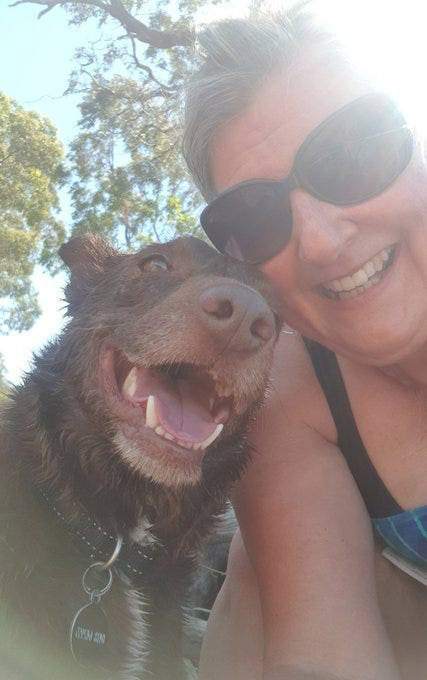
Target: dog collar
97, 542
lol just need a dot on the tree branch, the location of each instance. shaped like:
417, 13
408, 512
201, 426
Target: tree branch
50, 4
165, 88
9, 155
132, 25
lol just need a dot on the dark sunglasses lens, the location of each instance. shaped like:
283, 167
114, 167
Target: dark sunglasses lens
356, 154
251, 222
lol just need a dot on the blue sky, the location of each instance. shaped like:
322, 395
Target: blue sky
40, 57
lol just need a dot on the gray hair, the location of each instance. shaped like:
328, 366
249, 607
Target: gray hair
238, 55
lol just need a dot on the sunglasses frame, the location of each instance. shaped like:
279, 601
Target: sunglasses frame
295, 179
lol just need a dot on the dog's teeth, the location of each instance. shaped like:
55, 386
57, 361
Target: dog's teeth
185, 445
159, 430
207, 442
223, 391
129, 385
151, 419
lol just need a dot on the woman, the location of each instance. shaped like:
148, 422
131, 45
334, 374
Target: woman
344, 239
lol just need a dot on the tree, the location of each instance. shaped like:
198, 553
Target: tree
127, 179
31, 170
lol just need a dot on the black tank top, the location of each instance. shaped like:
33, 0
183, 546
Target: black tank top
378, 499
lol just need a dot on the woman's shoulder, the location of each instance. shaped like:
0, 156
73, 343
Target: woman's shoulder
294, 437
295, 391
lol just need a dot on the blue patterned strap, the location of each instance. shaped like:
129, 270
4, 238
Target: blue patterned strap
406, 533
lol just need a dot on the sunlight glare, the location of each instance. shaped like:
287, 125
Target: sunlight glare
385, 37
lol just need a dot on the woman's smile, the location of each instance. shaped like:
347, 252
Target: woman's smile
368, 275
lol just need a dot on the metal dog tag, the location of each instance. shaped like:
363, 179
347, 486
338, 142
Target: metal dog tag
88, 632
89, 636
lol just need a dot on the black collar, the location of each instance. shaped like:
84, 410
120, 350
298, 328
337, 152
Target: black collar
97, 542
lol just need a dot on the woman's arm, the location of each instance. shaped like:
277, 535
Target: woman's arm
289, 673
309, 539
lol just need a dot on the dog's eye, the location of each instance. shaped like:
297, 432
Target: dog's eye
155, 263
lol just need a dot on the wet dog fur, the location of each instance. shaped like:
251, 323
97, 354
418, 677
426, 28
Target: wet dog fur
72, 432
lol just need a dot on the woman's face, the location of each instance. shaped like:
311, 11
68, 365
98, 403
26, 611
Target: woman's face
385, 323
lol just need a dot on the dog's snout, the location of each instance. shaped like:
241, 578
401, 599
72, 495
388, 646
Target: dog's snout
237, 314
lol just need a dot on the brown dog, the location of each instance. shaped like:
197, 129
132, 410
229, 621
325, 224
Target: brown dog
119, 449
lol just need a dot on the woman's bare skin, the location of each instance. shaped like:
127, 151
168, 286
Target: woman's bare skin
292, 535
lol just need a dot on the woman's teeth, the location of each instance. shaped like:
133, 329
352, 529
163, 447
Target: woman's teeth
364, 278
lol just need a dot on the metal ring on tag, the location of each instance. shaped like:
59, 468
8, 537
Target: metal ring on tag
97, 591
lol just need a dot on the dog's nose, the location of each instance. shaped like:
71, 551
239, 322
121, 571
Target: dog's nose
237, 314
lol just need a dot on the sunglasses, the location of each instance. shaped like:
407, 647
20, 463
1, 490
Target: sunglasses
352, 156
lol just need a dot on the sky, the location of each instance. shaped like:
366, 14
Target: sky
36, 58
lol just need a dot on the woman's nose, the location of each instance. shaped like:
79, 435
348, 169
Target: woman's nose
321, 230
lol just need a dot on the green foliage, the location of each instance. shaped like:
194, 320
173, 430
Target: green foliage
30, 171
127, 180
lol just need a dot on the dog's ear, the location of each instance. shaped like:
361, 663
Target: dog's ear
86, 257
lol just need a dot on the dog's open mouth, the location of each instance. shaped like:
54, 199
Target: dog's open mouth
184, 404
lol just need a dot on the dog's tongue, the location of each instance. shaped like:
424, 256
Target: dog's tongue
182, 406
